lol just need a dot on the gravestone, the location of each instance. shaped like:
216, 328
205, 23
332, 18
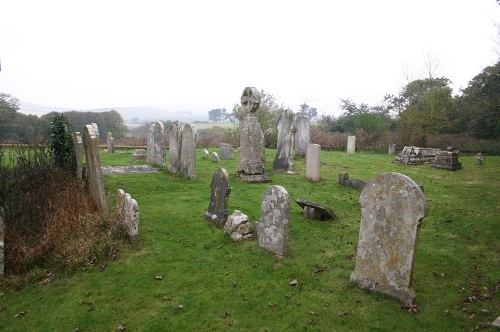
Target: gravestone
392, 208
205, 154
312, 162
156, 144
239, 227
77, 144
285, 143
2, 243
226, 151
302, 135
215, 157
351, 144
272, 229
110, 143
413, 155
128, 214
479, 159
392, 149
175, 147
355, 183
217, 209
447, 160
250, 167
188, 152
315, 211
93, 167
139, 154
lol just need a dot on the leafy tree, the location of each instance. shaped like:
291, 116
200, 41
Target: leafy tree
61, 143
306, 110
217, 115
9, 106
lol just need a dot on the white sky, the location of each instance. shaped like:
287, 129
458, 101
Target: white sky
106, 53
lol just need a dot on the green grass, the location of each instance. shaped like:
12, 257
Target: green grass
241, 287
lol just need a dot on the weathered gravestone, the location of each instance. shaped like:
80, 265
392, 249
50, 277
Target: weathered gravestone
128, 214
447, 160
392, 149
77, 144
479, 159
355, 183
93, 167
250, 167
215, 157
204, 154
110, 143
285, 143
217, 209
139, 154
188, 152
272, 229
226, 151
239, 227
2, 243
315, 211
156, 145
392, 207
413, 155
175, 147
351, 144
302, 135
312, 162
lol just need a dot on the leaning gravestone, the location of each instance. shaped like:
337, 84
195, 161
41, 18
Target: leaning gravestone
175, 147
188, 152
285, 143
128, 214
351, 144
217, 209
315, 211
302, 136
272, 230
77, 144
312, 163
110, 143
355, 183
226, 151
93, 167
156, 145
2, 243
392, 207
250, 167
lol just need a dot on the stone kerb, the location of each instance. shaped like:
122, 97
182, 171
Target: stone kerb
302, 136
77, 144
313, 162
188, 152
392, 207
93, 166
217, 209
351, 144
156, 145
175, 147
272, 229
128, 214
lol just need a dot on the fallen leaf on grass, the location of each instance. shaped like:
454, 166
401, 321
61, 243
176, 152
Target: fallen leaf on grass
159, 277
103, 267
293, 282
411, 308
21, 314
3, 308
89, 309
121, 327
179, 307
88, 292
225, 314
76, 329
166, 299
85, 302
344, 314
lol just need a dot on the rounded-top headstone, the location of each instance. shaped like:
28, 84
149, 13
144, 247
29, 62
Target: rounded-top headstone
250, 99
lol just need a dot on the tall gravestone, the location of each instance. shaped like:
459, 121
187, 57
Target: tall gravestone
312, 162
156, 144
351, 144
2, 243
250, 167
302, 135
272, 230
217, 209
285, 143
175, 147
77, 144
128, 214
188, 152
93, 166
110, 143
392, 207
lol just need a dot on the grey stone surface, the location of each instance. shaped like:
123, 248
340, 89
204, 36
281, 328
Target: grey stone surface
110, 143
127, 169
175, 147
204, 154
351, 144
93, 166
496, 322
239, 227
447, 160
77, 144
156, 145
313, 162
392, 208
272, 229
188, 152
302, 135
2, 243
354, 183
392, 149
215, 157
226, 151
139, 154
316, 211
285, 143
217, 209
413, 155
128, 214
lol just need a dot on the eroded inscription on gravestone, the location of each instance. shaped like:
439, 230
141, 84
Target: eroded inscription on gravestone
188, 152
93, 166
77, 144
156, 144
217, 209
128, 214
285, 143
175, 147
302, 135
392, 207
272, 229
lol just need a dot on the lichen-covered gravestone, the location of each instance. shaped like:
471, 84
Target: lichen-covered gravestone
77, 144
238, 226
217, 209
272, 230
175, 147
226, 151
188, 152
285, 143
128, 214
156, 145
302, 135
93, 166
392, 206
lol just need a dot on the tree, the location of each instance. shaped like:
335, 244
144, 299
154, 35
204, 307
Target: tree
305, 110
9, 105
217, 115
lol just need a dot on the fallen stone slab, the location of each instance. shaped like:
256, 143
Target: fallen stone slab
127, 169
316, 211
355, 183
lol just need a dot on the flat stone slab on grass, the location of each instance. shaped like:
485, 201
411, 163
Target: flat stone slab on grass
320, 211
127, 169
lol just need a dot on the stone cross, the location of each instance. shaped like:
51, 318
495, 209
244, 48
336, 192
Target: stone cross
312, 162
392, 207
93, 167
302, 136
110, 143
77, 144
188, 152
351, 144
128, 214
217, 209
285, 143
156, 145
272, 230
175, 147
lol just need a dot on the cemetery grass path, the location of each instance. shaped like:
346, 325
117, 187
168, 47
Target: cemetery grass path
186, 275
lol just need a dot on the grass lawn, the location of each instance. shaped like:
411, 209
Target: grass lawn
209, 283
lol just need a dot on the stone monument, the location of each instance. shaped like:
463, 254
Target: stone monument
302, 135
156, 145
285, 143
77, 144
175, 147
351, 144
239, 227
128, 214
312, 162
217, 209
93, 168
188, 152
226, 151
110, 143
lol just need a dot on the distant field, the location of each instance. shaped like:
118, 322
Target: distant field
211, 124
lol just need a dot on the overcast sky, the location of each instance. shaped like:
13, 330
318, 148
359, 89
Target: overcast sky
89, 54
